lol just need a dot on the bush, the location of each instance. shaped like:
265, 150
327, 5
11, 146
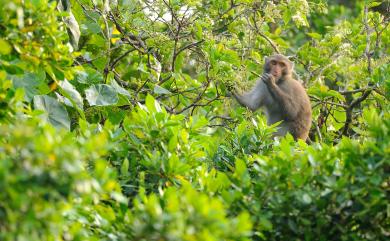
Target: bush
115, 121
44, 177
185, 214
318, 192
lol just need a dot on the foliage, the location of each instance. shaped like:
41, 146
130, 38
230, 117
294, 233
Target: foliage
44, 178
116, 121
320, 191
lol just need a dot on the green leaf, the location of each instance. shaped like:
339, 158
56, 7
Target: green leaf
160, 90
152, 105
375, 4
240, 167
73, 94
88, 76
5, 47
265, 224
323, 91
230, 56
31, 83
172, 143
340, 119
198, 30
184, 136
286, 16
74, 30
315, 35
101, 95
125, 167
71, 22
90, 28
55, 112
119, 89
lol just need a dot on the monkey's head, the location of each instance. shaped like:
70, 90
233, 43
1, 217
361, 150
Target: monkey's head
279, 66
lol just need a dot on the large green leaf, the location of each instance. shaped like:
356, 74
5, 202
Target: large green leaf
55, 112
73, 94
88, 76
101, 95
71, 22
119, 89
33, 84
160, 90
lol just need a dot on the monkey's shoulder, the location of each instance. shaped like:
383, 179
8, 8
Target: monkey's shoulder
293, 86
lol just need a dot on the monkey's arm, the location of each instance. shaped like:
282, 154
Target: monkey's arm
288, 105
254, 98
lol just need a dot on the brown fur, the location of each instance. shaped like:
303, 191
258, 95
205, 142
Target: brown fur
283, 99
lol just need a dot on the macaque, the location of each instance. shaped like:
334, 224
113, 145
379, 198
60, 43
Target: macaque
282, 98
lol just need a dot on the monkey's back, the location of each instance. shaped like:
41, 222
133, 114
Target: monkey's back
300, 126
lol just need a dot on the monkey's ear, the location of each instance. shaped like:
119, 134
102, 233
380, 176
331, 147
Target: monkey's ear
290, 61
265, 59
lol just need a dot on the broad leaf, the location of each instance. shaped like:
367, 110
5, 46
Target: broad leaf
101, 95
71, 22
88, 76
119, 89
73, 94
160, 90
33, 84
55, 112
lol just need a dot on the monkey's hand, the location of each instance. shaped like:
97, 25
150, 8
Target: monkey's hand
268, 79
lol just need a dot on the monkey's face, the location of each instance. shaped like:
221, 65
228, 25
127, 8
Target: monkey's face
277, 69
278, 66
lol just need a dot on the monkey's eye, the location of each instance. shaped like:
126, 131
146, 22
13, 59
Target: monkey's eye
283, 65
273, 62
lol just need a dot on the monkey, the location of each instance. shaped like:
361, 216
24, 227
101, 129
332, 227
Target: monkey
282, 98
